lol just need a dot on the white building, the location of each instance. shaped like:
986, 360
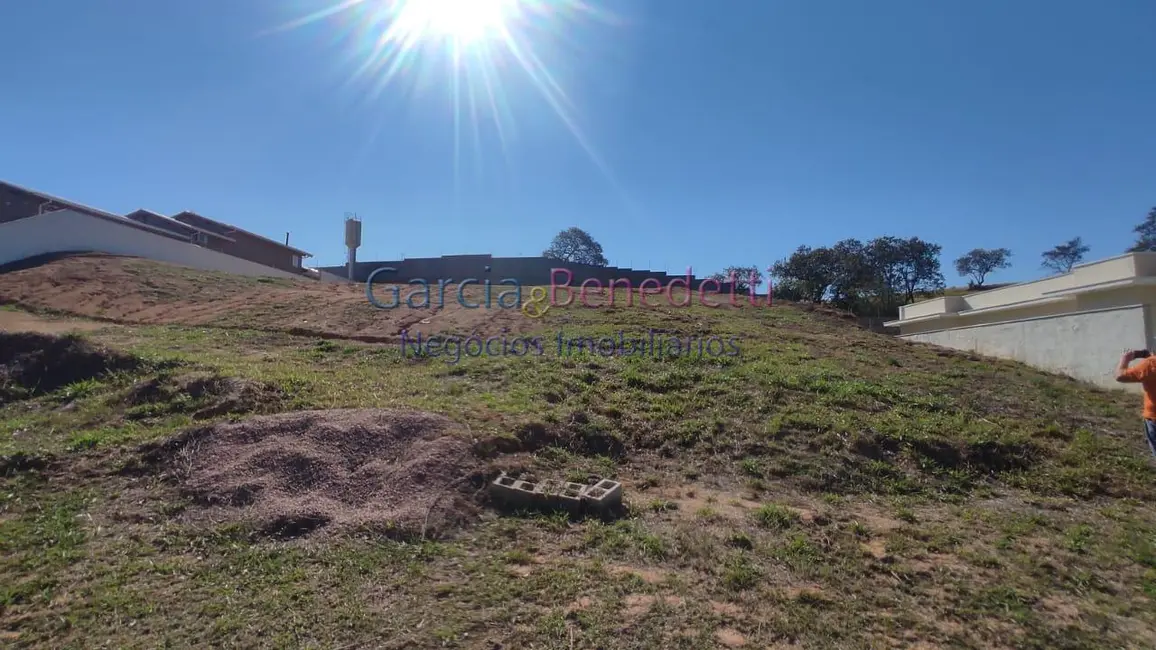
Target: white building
1077, 323
33, 223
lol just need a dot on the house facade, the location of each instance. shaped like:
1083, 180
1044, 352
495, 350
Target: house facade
1076, 323
241, 243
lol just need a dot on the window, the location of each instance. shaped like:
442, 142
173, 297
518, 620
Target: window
297, 261
200, 238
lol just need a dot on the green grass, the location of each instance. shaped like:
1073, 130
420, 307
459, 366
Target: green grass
829, 486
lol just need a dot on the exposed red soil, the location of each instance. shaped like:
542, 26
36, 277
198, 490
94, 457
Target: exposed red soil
135, 291
16, 321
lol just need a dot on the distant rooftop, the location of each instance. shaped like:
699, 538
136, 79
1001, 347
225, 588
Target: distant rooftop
89, 210
174, 222
229, 228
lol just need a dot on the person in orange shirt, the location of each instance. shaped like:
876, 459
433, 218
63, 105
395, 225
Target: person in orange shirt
1143, 373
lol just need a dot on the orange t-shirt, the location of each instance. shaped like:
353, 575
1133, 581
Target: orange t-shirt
1145, 373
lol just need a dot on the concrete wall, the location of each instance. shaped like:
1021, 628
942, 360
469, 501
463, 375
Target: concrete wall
71, 231
1083, 279
1115, 298
931, 306
1085, 345
1033, 310
529, 271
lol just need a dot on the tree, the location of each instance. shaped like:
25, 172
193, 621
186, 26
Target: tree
885, 259
854, 275
742, 277
979, 262
891, 270
1147, 234
918, 267
808, 271
1062, 258
575, 245
788, 290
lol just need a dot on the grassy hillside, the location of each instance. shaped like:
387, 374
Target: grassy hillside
828, 487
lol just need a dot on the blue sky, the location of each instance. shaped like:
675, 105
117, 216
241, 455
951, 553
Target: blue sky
716, 133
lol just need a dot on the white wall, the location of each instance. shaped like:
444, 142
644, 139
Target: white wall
1086, 345
68, 231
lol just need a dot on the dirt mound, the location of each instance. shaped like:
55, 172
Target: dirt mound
204, 395
33, 364
397, 473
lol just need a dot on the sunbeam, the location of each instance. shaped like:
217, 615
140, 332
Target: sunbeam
390, 39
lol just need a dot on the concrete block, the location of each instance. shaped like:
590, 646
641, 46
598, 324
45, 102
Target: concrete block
549, 494
603, 496
545, 494
569, 499
512, 491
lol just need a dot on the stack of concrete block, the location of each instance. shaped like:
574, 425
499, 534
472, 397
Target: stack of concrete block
601, 497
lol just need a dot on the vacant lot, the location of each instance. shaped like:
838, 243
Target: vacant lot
212, 476
128, 290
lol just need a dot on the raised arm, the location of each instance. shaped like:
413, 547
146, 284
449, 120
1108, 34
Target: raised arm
1124, 374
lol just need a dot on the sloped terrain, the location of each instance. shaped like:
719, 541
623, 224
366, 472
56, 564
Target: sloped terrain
385, 472
32, 363
131, 290
826, 488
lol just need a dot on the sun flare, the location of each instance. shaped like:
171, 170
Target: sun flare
472, 50
464, 21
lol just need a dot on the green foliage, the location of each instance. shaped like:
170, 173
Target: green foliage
743, 277
575, 245
1062, 258
979, 262
1146, 231
868, 278
770, 515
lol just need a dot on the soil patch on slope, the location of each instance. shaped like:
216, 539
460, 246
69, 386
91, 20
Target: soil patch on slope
32, 364
402, 474
203, 395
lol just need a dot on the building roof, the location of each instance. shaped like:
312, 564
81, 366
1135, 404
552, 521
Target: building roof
174, 222
231, 228
91, 211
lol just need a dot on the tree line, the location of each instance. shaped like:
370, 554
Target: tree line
870, 278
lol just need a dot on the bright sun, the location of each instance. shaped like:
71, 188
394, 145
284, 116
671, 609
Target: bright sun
481, 44
463, 21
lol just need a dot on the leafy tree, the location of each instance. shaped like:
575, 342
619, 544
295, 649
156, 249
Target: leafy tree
1062, 258
885, 259
854, 275
742, 277
788, 290
808, 271
979, 262
576, 245
1147, 234
872, 276
918, 267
